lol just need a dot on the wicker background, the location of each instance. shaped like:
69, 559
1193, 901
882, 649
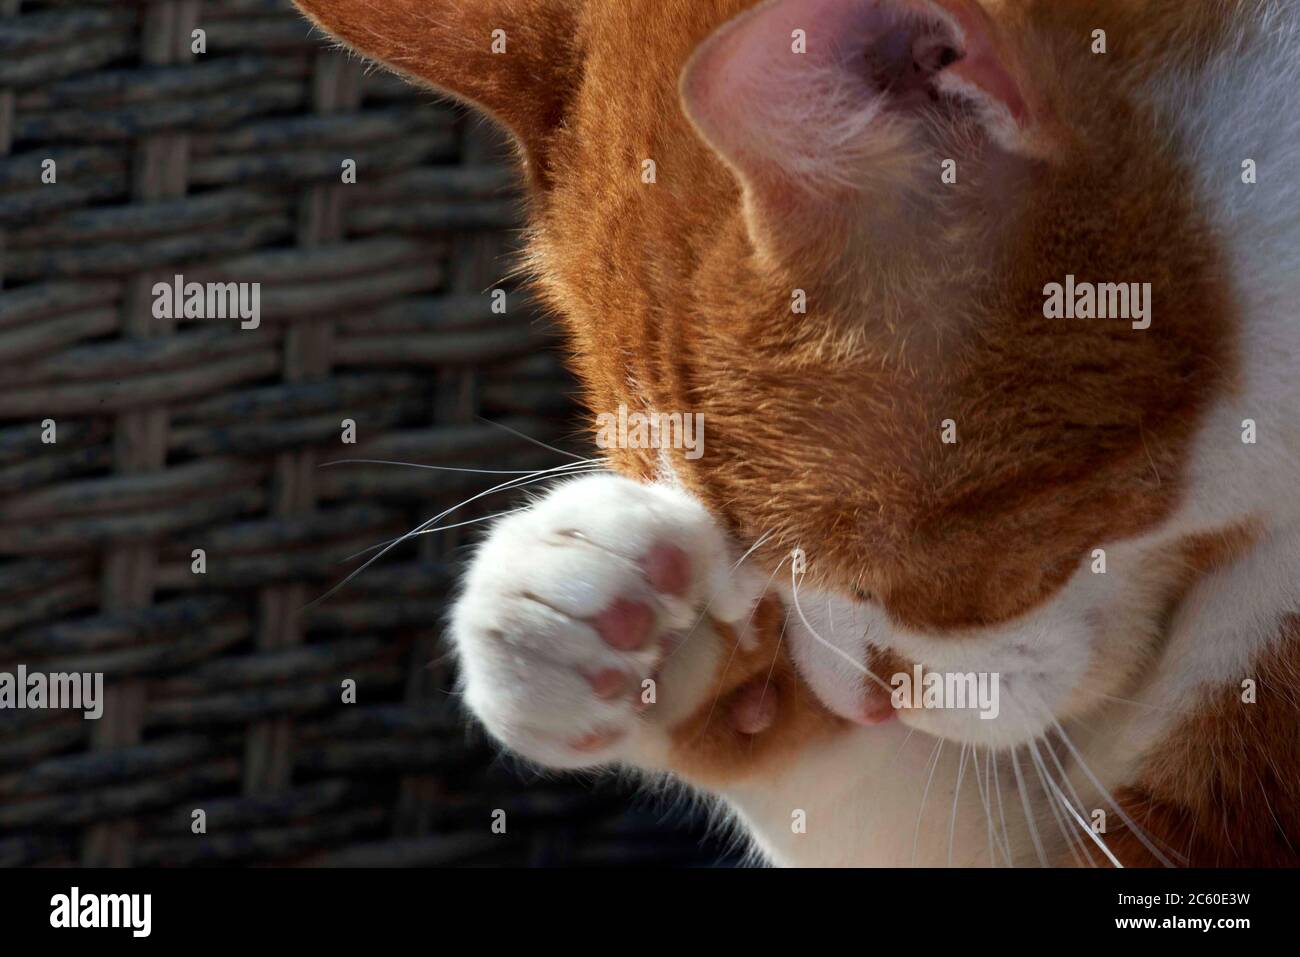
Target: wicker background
223, 689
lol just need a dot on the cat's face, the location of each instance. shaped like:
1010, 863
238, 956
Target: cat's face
827, 226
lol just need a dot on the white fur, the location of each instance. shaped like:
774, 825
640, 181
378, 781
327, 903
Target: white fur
1246, 105
1230, 620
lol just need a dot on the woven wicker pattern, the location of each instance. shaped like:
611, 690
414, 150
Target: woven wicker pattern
224, 688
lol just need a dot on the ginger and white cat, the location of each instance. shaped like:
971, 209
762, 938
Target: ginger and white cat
828, 226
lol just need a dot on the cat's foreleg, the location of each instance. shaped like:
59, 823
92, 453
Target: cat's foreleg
611, 623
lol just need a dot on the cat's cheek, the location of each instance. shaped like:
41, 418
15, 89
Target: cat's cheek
828, 643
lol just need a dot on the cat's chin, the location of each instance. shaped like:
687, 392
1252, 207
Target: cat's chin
1007, 709
967, 729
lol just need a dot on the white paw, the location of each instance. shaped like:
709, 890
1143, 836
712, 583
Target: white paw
582, 631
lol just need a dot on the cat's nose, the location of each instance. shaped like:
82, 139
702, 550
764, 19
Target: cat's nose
877, 706
874, 713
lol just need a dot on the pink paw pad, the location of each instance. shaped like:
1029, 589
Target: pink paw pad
625, 625
668, 569
608, 683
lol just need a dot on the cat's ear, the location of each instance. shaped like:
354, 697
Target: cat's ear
508, 58
802, 97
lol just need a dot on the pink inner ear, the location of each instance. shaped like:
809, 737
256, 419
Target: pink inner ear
748, 88
835, 30
766, 107
986, 64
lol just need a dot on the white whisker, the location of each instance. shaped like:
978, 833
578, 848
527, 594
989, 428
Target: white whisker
1029, 816
1083, 825
1066, 832
1074, 795
428, 468
982, 786
956, 797
568, 469
1002, 811
794, 591
538, 442
753, 548
1106, 795
440, 528
933, 764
